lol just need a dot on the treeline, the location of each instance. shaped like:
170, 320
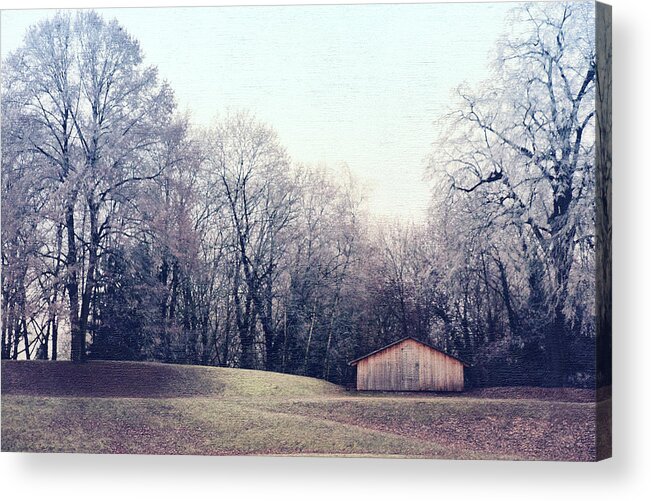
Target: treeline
128, 233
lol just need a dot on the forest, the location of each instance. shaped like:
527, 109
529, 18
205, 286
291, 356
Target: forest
131, 233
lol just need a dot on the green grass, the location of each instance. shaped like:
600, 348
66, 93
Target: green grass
243, 383
188, 426
232, 411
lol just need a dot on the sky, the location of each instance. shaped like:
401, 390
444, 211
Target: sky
360, 85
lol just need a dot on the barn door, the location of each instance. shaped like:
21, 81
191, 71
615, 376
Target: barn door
410, 369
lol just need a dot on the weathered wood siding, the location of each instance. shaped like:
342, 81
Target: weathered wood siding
410, 366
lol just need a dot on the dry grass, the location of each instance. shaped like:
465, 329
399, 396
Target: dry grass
523, 429
99, 407
107, 379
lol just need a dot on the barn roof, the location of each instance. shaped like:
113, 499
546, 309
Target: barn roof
354, 362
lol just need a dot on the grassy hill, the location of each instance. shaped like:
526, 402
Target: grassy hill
151, 408
152, 380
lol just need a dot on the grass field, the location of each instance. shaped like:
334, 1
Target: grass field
149, 408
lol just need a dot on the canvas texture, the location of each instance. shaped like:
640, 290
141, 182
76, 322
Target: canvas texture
340, 230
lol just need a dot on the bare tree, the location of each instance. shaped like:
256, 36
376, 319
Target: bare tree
93, 114
254, 173
519, 154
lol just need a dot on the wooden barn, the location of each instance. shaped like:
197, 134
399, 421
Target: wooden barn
409, 365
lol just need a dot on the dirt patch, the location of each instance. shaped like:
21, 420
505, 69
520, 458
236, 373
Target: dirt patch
106, 379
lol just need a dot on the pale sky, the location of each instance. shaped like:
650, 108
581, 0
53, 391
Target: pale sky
360, 84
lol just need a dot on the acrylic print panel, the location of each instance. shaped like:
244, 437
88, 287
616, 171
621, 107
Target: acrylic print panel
335, 230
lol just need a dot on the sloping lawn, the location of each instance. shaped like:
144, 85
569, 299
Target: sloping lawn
143, 408
520, 428
189, 426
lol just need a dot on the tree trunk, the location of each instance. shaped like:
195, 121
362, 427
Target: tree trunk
284, 359
309, 338
77, 341
326, 360
16, 336
23, 323
55, 337
514, 324
243, 320
5, 330
91, 278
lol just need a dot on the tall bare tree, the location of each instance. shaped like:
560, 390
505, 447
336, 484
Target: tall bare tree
93, 113
254, 173
519, 154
